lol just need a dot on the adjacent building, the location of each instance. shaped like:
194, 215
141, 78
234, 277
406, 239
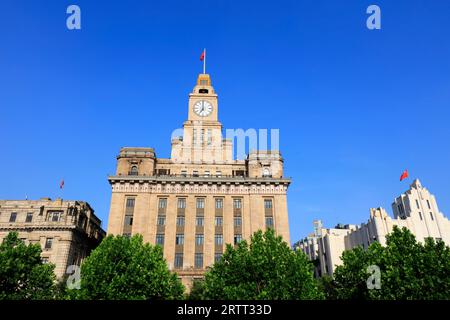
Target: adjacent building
66, 230
416, 209
200, 198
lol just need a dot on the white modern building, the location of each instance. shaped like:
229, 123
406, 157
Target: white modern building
416, 209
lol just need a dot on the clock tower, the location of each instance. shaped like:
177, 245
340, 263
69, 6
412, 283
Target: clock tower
202, 140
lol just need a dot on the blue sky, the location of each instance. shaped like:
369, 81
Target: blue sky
354, 107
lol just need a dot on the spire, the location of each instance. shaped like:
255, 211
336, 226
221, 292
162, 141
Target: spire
416, 184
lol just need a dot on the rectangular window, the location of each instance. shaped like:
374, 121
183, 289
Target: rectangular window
161, 220
217, 257
218, 221
181, 203
12, 217
209, 137
48, 243
195, 136
55, 216
178, 260
179, 239
218, 239
268, 204
237, 238
207, 173
130, 203
428, 203
202, 136
199, 239
218, 174
417, 204
200, 203
431, 215
237, 203
269, 222
219, 203
163, 203
183, 173
128, 220
195, 173
160, 239
199, 221
199, 260
180, 221
237, 221
420, 215
29, 217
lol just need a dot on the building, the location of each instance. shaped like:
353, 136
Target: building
201, 198
66, 230
416, 209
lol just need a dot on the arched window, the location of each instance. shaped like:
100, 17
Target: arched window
134, 171
266, 172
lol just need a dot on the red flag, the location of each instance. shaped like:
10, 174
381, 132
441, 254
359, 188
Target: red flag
202, 57
61, 184
404, 175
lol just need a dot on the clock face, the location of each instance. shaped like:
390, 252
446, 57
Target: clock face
203, 108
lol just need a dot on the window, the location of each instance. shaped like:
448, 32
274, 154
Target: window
420, 215
160, 239
209, 137
133, 171
237, 238
180, 221
44, 260
202, 135
13, 217
130, 203
199, 221
162, 203
218, 221
268, 204
128, 220
428, 203
207, 173
199, 239
48, 243
178, 260
200, 203
218, 239
161, 220
219, 203
417, 204
55, 216
195, 136
237, 221
183, 173
179, 239
269, 222
431, 215
218, 174
195, 173
217, 257
237, 203
266, 172
199, 260
29, 217
181, 203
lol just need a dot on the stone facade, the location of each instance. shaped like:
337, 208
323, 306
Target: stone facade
416, 209
66, 230
201, 198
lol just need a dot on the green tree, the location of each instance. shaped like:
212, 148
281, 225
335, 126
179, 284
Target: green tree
22, 273
266, 268
409, 270
123, 268
197, 291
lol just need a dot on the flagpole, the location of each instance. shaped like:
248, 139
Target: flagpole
204, 61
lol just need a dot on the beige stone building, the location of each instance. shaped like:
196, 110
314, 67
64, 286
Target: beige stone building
66, 230
416, 209
201, 198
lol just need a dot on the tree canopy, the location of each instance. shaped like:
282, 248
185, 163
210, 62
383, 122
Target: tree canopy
266, 268
408, 269
23, 275
123, 268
